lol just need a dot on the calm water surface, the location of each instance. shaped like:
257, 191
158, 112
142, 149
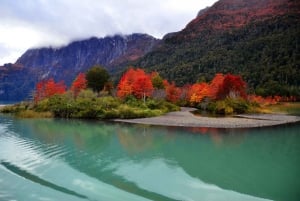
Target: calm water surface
81, 160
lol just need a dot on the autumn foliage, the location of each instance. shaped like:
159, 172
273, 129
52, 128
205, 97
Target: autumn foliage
219, 88
197, 92
173, 93
48, 88
270, 100
233, 86
216, 86
135, 82
79, 84
141, 85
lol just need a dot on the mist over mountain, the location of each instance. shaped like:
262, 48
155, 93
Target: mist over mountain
64, 63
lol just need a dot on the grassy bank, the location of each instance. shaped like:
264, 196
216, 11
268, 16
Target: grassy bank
286, 108
89, 106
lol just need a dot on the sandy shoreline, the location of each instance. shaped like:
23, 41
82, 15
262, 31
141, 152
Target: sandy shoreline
185, 118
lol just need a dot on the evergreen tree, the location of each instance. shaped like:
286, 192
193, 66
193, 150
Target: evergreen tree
96, 78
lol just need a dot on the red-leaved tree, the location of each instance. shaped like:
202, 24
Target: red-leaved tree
135, 82
79, 84
173, 93
215, 85
48, 88
233, 86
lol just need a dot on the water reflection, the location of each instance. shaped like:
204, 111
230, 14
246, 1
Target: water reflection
156, 163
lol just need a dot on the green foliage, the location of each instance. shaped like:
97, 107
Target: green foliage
33, 114
238, 105
61, 106
96, 78
17, 108
26, 110
88, 105
287, 108
42, 106
229, 106
157, 82
162, 105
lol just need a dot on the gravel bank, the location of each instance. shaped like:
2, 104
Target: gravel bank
185, 118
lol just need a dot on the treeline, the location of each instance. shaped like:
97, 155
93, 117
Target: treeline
139, 94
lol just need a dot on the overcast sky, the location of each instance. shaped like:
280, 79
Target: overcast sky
34, 23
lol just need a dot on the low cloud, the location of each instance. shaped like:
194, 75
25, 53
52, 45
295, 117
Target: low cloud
35, 23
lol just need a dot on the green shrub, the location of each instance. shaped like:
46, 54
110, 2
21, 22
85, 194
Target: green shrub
34, 114
222, 107
87, 94
211, 107
127, 112
62, 106
134, 102
108, 102
168, 107
9, 109
239, 105
110, 114
229, 106
42, 106
153, 104
16, 108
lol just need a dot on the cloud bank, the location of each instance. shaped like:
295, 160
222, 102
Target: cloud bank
26, 24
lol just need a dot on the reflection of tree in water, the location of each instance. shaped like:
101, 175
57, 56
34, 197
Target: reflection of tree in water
215, 156
74, 133
222, 136
91, 147
135, 139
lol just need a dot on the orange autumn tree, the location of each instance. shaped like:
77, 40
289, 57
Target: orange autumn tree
219, 88
142, 87
135, 82
197, 92
79, 84
215, 85
48, 88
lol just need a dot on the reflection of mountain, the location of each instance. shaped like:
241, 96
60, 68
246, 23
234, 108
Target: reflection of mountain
158, 159
181, 187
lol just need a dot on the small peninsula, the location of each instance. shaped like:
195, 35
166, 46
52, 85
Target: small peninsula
185, 118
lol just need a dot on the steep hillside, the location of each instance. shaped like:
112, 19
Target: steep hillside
259, 39
66, 62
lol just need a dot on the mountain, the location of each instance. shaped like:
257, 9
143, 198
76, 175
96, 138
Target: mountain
259, 39
18, 80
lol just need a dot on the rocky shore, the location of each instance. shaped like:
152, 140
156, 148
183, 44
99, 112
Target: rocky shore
185, 118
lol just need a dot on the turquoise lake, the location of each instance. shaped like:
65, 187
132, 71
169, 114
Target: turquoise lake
49, 159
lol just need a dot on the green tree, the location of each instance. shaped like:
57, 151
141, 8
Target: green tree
96, 78
157, 81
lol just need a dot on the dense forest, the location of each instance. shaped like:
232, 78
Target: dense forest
266, 54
